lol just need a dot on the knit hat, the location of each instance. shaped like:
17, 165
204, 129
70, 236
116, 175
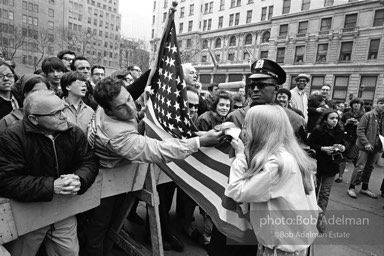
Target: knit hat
381, 99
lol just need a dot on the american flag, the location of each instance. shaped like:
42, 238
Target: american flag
203, 175
168, 89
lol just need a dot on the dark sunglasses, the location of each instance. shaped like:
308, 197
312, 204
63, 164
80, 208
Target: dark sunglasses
190, 105
261, 85
236, 106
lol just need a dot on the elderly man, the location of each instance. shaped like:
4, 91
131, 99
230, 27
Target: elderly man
114, 134
299, 97
41, 156
190, 79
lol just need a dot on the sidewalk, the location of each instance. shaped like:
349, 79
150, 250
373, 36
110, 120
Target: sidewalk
363, 240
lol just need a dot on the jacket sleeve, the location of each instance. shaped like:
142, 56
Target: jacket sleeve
314, 141
15, 182
361, 130
86, 164
258, 188
138, 148
202, 123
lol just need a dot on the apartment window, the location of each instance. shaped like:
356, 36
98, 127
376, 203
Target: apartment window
153, 19
233, 3
263, 13
231, 17
322, 50
182, 12
266, 36
373, 49
286, 6
180, 28
328, 2
179, 43
248, 39
35, 21
246, 56
204, 25
25, 5
346, 51
250, 1
222, 5
24, 19
326, 24
280, 55
340, 88
206, 6
220, 25
204, 58
231, 56
263, 54
217, 57
205, 44
30, 7
218, 43
238, 3
316, 83
283, 30
50, 25
369, 83
209, 24
51, 13
100, 33
299, 54
350, 22
305, 5
379, 18
165, 3
164, 16
189, 42
232, 41
153, 33
303, 26
190, 24
249, 17
154, 5
191, 9
210, 7
270, 12
237, 18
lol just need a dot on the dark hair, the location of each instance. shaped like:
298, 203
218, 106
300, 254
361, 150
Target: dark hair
120, 74
61, 54
222, 95
211, 86
68, 78
3, 63
96, 66
131, 68
357, 100
285, 91
38, 71
52, 64
73, 67
30, 84
106, 90
238, 98
321, 122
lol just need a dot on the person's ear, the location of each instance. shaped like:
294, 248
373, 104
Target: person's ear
33, 119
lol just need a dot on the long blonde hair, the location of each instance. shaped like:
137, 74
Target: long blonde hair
268, 130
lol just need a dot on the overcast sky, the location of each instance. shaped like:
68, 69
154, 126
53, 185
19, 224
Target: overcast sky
136, 18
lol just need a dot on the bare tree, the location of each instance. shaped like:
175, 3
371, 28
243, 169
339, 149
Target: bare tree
10, 42
133, 52
188, 54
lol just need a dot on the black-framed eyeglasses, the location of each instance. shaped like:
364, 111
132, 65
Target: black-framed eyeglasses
190, 105
57, 114
260, 85
68, 59
9, 76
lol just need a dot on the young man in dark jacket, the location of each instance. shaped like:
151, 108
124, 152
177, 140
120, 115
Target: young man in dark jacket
41, 156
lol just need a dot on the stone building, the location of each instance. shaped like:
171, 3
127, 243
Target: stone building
338, 42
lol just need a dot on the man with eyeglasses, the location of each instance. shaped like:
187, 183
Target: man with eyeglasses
67, 58
7, 79
40, 157
135, 72
299, 98
97, 73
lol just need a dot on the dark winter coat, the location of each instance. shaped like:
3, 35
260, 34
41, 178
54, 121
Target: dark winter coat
30, 161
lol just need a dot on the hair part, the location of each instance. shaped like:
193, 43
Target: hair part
268, 131
322, 121
106, 90
52, 64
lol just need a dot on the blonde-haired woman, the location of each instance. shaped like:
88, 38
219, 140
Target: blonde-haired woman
274, 175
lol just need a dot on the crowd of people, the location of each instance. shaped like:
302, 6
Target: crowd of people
60, 124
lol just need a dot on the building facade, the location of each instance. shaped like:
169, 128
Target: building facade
337, 42
32, 30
